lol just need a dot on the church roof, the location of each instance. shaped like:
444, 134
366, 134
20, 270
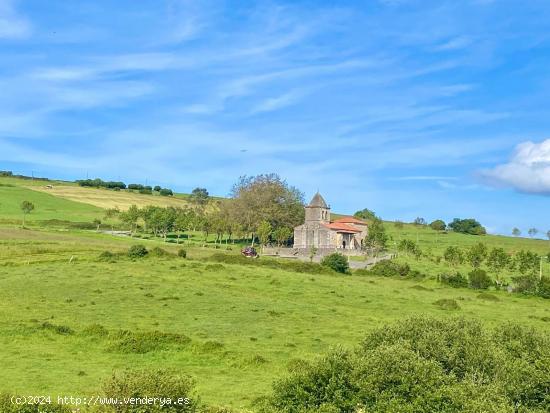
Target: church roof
340, 227
318, 201
350, 220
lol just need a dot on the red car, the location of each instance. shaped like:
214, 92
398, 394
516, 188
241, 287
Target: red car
249, 252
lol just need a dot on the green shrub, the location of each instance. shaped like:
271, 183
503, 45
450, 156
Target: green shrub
162, 384
137, 251
479, 280
423, 365
182, 253
454, 280
543, 287
387, 268
159, 252
337, 262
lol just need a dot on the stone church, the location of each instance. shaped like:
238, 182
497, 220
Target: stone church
318, 231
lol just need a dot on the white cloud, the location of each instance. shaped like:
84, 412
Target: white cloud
527, 171
12, 25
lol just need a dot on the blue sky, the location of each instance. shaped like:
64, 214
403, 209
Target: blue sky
425, 108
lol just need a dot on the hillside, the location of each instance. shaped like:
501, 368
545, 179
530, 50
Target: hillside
246, 324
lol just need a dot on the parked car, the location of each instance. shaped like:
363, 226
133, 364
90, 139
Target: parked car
249, 252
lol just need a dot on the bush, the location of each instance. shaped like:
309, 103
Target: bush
128, 342
423, 365
543, 287
337, 262
454, 280
166, 192
479, 280
387, 268
137, 251
162, 384
159, 252
146, 191
182, 253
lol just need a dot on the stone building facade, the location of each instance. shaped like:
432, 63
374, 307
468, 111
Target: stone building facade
320, 232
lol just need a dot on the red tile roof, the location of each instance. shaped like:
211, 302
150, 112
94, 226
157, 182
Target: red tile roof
350, 220
341, 227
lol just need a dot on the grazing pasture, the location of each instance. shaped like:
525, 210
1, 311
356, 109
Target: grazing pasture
66, 325
105, 198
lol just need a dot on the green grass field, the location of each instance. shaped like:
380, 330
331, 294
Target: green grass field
62, 309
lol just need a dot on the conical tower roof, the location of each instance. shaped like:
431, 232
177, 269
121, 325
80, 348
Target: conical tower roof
317, 201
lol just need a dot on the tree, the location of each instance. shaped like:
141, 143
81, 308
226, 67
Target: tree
200, 197
516, 232
266, 198
365, 214
27, 207
532, 232
97, 223
376, 238
419, 221
166, 192
130, 217
438, 225
110, 214
182, 222
157, 188
477, 254
527, 262
453, 255
497, 260
281, 235
264, 232
467, 226
479, 280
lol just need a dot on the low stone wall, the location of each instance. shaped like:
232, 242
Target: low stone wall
305, 252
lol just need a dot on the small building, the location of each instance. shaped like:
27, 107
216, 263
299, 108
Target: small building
318, 231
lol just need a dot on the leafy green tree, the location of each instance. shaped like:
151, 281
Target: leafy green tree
467, 226
476, 254
281, 235
266, 198
200, 197
453, 255
26, 207
130, 217
166, 192
365, 214
157, 188
516, 232
532, 232
264, 232
110, 214
419, 221
376, 238
498, 260
438, 225
527, 262
408, 246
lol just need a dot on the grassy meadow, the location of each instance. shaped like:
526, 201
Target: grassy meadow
68, 318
